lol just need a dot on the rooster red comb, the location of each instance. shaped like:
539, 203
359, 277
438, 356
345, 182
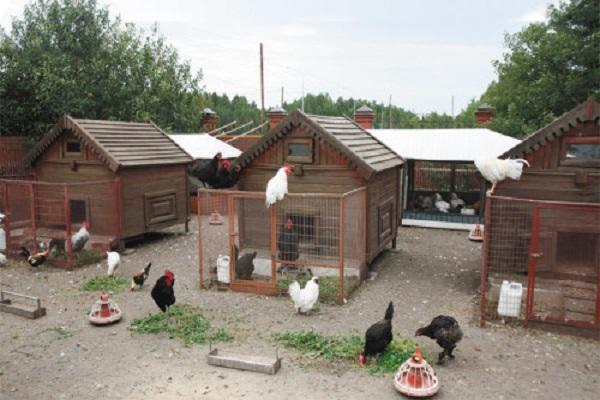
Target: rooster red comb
170, 275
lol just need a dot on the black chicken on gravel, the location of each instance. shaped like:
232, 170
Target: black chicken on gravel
378, 336
446, 332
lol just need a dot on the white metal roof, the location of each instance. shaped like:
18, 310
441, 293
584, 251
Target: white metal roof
202, 146
445, 144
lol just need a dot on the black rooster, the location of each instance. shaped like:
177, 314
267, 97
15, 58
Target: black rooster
234, 175
244, 266
288, 243
207, 173
36, 259
140, 277
446, 331
378, 336
163, 293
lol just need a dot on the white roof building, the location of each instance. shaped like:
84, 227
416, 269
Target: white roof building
445, 144
202, 146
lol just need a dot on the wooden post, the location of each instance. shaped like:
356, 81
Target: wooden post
68, 242
482, 200
453, 177
118, 219
341, 248
231, 224
273, 228
199, 229
32, 206
485, 263
532, 262
6, 218
187, 203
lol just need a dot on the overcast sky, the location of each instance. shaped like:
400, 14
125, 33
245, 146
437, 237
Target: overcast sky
420, 52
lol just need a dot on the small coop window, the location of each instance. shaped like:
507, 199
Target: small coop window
300, 150
581, 152
73, 147
78, 210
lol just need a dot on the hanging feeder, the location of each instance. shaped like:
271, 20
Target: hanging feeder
476, 234
105, 311
215, 218
416, 378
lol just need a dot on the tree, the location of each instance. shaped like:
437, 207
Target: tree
69, 57
549, 69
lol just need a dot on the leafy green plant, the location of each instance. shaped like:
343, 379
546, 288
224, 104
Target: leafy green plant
105, 284
184, 322
347, 348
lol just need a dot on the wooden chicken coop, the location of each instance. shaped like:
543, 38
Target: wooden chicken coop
124, 178
343, 199
543, 231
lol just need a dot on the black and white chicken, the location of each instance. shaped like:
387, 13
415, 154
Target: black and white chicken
378, 336
35, 259
137, 282
446, 332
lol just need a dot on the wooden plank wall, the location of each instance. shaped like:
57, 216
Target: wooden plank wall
381, 189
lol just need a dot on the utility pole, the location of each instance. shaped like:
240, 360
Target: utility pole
262, 87
282, 97
382, 113
453, 117
390, 112
302, 106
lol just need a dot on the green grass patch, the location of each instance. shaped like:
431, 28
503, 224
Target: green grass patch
329, 286
335, 348
185, 322
105, 284
80, 258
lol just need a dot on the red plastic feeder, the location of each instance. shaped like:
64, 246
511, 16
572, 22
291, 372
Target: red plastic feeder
215, 219
476, 233
104, 311
416, 378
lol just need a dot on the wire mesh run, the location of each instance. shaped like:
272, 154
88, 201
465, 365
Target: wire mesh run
541, 261
252, 248
46, 215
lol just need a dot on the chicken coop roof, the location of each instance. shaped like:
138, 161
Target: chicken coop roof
202, 146
587, 111
363, 150
445, 144
118, 144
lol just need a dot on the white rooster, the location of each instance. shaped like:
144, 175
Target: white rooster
496, 170
440, 204
79, 239
305, 299
277, 187
113, 259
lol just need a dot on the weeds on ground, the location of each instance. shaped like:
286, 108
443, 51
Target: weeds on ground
334, 348
185, 322
105, 284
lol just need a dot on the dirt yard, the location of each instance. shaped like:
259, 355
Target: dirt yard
61, 356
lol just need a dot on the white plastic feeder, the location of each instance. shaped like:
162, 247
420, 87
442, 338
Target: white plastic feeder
511, 294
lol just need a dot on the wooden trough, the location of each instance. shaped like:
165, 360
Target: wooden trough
245, 362
23, 310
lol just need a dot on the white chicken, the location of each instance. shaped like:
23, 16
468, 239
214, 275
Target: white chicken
113, 259
79, 239
456, 202
277, 187
440, 204
305, 299
3, 259
496, 170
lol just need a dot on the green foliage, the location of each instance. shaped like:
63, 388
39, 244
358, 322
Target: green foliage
549, 68
105, 284
328, 286
347, 348
185, 322
68, 56
238, 108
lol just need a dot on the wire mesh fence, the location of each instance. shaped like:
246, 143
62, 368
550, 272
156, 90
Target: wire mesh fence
252, 248
541, 261
47, 215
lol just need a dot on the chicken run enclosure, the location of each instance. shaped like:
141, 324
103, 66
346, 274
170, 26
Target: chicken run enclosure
329, 238
40, 213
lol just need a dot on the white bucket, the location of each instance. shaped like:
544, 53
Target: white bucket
509, 304
223, 269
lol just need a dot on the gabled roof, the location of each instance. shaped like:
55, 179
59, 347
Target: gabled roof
587, 111
363, 150
445, 144
118, 144
202, 146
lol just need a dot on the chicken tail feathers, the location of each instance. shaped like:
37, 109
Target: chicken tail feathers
389, 313
294, 290
147, 269
24, 252
523, 161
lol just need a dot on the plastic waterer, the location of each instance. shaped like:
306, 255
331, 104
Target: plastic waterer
223, 269
509, 304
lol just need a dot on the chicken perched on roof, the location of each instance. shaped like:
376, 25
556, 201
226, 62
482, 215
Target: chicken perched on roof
207, 173
378, 336
496, 170
446, 332
277, 187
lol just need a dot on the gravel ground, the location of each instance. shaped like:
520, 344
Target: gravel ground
61, 356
